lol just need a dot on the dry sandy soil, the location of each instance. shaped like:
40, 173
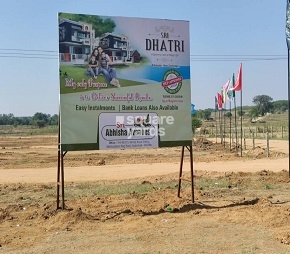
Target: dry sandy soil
126, 201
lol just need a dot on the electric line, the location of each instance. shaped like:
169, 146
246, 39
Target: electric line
39, 57
237, 55
45, 54
237, 59
38, 50
191, 59
26, 54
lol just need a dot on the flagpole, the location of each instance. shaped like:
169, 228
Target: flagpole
215, 109
215, 126
288, 47
288, 113
241, 124
236, 131
230, 125
221, 131
235, 123
231, 95
220, 106
220, 126
224, 123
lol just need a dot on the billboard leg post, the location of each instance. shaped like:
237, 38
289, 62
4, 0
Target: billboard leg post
189, 148
180, 172
58, 164
60, 180
57, 181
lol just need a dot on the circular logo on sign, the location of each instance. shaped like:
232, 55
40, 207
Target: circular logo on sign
172, 81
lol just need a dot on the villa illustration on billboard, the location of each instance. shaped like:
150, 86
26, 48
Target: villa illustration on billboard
78, 39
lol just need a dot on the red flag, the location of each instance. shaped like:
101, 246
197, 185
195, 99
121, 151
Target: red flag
238, 83
219, 101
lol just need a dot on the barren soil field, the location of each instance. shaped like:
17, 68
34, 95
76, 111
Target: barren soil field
126, 201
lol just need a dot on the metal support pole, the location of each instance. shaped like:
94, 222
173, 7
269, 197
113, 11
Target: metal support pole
58, 166
57, 181
62, 179
191, 172
180, 171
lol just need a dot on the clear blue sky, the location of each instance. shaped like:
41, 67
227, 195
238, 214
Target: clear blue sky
249, 29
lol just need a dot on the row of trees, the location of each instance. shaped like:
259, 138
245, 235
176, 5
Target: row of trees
38, 119
263, 104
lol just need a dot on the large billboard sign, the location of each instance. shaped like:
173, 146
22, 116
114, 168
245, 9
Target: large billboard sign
124, 82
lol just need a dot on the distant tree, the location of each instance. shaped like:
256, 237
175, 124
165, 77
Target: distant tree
196, 123
206, 114
283, 109
15, 123
228, 114
53, 120
241, 113
280, 105
40, 119
25, 120
198, 114
203, 113
264, 103
40, 123
7, 119
254, 112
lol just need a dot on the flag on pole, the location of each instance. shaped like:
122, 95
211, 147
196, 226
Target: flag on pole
224, 91
288, 24
220, 101
231, 92
238, 83
215, 103
192, 109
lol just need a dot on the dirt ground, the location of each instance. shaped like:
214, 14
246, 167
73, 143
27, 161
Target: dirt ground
126, 201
